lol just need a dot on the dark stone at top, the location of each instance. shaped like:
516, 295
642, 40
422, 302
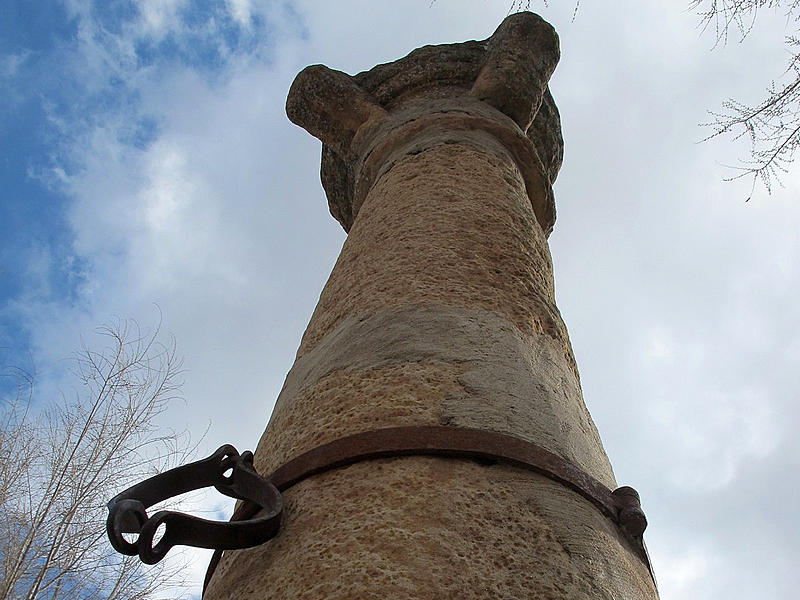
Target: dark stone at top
508, 71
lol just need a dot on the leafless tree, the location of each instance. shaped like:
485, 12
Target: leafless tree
61, 461
773, 124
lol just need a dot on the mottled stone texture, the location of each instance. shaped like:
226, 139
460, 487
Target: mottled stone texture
439, 311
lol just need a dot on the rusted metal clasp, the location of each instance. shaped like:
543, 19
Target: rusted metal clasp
127, 511
622, 505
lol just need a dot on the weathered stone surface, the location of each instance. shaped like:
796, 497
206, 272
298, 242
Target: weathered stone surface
430, 234
545, 135
433, 365
520, 57
330, 106
452, 269
439, 311
509, 71
419, 528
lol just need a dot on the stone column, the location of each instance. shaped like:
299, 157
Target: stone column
439, 311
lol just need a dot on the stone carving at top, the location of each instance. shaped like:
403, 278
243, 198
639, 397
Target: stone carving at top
499, 85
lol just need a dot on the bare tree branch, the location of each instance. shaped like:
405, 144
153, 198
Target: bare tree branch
772, 125
61, 461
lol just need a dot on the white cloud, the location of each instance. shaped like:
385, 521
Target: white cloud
11, 63
712, 437
659, 347
680, 298
159, 17
240, 11
168, 197
683, 570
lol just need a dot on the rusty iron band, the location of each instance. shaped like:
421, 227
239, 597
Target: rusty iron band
622, 505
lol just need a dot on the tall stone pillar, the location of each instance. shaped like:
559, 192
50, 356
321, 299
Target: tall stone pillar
439, 312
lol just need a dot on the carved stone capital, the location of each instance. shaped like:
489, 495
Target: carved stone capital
437, 94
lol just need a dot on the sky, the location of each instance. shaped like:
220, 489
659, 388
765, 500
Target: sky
148, 171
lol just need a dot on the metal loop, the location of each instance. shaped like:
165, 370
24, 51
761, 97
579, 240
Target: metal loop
227, 463
126, 516
148, 553
128, 510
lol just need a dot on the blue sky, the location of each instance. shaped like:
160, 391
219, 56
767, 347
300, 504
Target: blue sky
146, 160
69, 69
33, 214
